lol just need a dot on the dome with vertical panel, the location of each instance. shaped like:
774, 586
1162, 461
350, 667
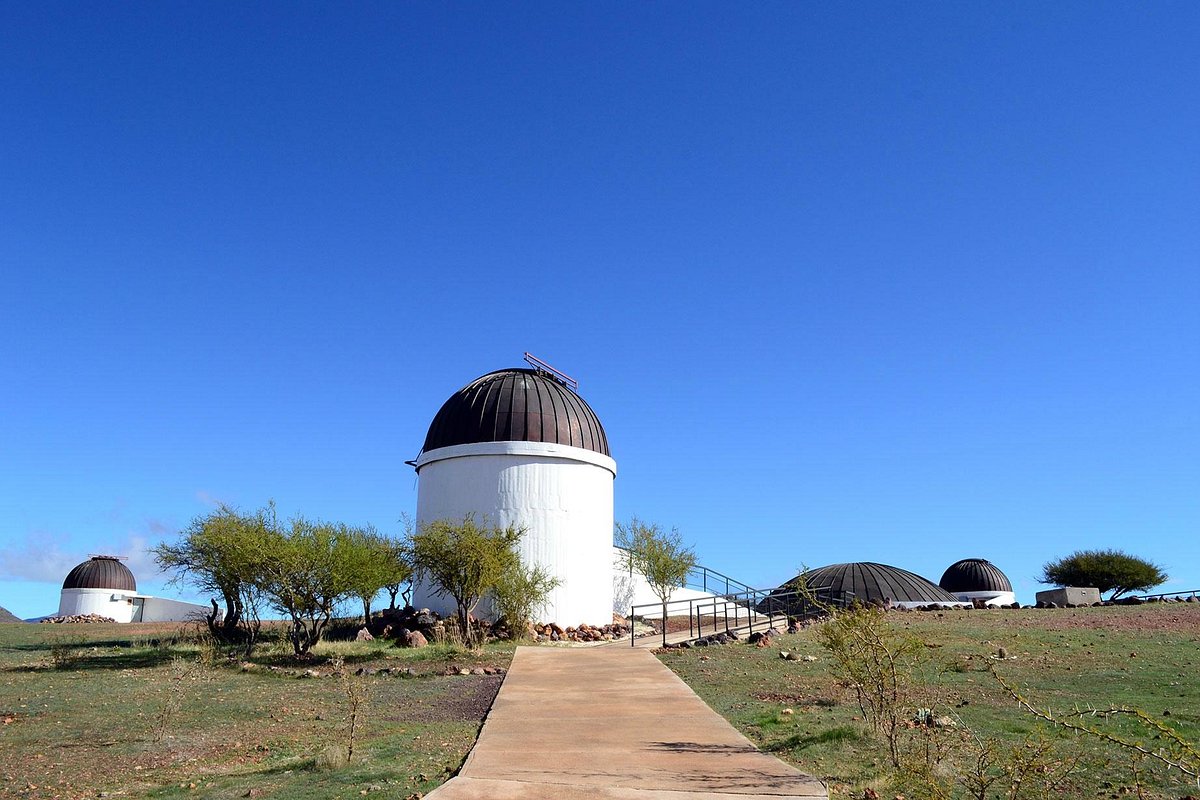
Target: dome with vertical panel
516, 405
101, 572
974, 575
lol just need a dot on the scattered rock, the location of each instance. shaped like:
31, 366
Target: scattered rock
364, 635
77, 618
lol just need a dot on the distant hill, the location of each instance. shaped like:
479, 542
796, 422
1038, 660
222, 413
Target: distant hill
7, 616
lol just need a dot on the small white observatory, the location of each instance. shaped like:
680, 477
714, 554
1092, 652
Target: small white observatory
520, 447
103, 585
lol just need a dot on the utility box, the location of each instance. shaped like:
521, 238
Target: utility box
1070, 595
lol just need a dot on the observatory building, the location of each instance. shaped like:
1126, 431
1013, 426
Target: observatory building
103, 585
978, 579
868, 582
520, 447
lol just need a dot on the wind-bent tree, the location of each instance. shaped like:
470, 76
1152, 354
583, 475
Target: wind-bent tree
463, 560
660, 556
1108, 570
221, 553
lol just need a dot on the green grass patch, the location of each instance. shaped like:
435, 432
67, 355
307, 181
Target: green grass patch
1072, 660
139, 711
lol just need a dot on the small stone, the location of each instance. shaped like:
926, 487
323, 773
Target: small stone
464, 671
809, 658
478, 671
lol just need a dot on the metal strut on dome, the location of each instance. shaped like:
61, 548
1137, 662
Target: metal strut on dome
537, 363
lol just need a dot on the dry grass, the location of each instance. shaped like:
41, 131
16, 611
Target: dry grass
135, 712
1144, 657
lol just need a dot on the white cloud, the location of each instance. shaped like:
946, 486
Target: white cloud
208, 499
36, 559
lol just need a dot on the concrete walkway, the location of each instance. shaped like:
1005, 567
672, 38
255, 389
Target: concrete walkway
612, 724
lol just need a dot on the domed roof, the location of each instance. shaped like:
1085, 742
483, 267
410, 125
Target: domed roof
516, 405
101, 572
870, 582
974, 575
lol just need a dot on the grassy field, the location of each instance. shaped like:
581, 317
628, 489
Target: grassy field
134, 711
1068, 659
137, 711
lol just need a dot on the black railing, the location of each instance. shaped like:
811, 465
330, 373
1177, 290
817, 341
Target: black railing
1187, 593
761, 607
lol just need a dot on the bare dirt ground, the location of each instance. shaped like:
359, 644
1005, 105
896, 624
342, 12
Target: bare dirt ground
1164, 618
469, 703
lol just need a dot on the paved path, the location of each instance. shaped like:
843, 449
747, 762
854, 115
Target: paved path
612, 724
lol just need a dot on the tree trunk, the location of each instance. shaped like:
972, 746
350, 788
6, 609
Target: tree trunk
664, 623
367, 612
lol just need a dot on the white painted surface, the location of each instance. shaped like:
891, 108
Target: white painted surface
630, 588
562, 495
115, 604
160, 609
992, 598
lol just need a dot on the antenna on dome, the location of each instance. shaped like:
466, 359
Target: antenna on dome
538, 364
106, 557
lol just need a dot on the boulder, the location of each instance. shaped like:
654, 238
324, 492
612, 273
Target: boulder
415, 639
364, 635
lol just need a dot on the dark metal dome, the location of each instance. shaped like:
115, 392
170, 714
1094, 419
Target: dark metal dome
101, 572
974, 575
516, 405
871, 582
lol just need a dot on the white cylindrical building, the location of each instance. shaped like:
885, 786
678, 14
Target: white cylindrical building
101, 585
519, 447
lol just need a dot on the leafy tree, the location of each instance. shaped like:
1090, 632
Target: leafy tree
519, 592
306, 572
400, 572
1108, 570
376, 563
660, 556
220, 553
463, 560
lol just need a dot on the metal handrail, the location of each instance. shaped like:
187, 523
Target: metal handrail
707, 580
785, 604
1185, 593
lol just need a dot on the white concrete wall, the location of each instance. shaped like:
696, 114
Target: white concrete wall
992, 598
564, 497
160, 609
113, 603
631, 589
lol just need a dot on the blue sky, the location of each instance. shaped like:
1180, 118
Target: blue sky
894, 282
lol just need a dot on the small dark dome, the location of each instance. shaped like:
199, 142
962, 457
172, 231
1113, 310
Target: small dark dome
101, 572
516, 405
974, 575
871, 582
